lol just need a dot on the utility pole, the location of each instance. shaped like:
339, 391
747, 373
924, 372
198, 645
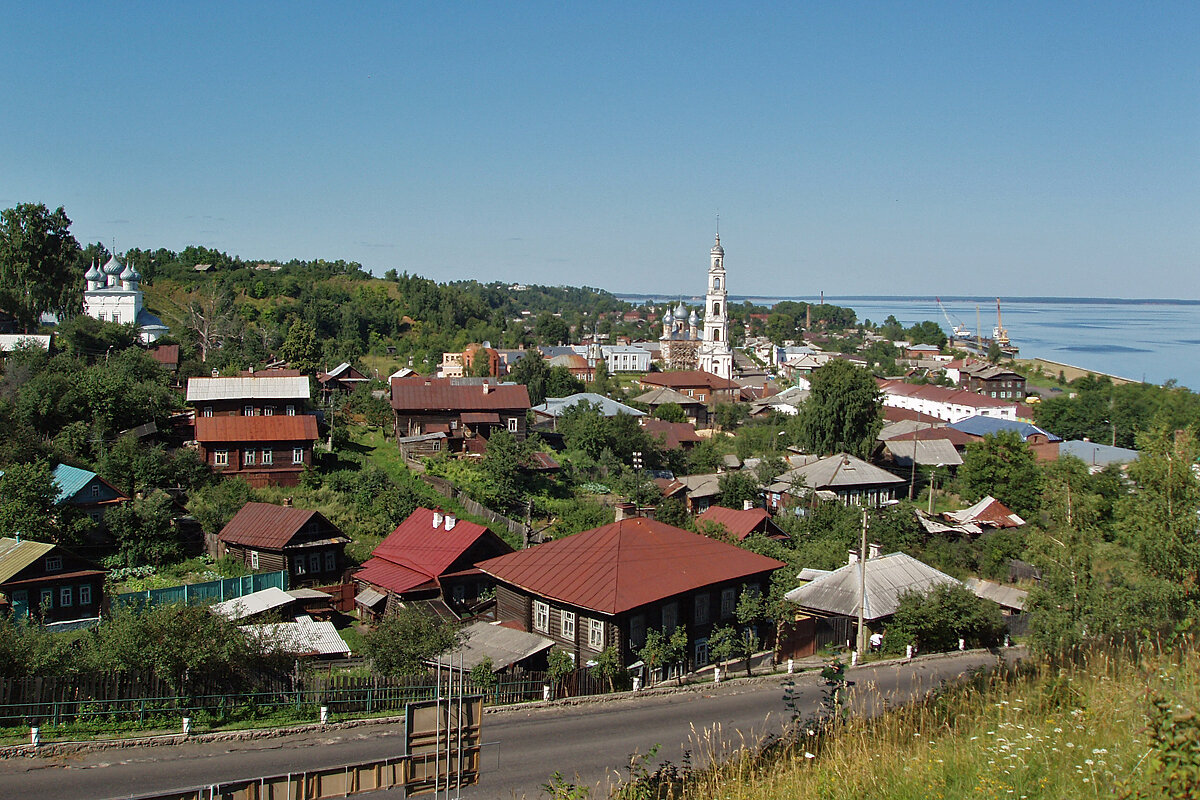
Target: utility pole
862, 588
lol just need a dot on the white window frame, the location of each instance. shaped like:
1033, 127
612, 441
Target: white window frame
596, 634
670, 618
54, 563
728, 602
330, 560
268, 458
700, 607
254, 559
300, 564
220, 458
268, 411
46, 599
85, 594
297, 455
566, 625
248, 411
291, 411
541, 616
248, 458
512, 424
700, 655
95, 490
207, 412
66, 597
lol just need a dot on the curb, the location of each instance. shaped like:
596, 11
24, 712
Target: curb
807, 673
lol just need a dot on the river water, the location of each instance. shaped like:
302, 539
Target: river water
1143, 340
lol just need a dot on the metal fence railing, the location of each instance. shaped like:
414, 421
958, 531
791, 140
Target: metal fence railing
209, 591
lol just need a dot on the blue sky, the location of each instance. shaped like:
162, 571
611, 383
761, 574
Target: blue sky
931, 148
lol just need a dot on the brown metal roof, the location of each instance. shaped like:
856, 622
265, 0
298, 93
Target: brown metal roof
619, 567
302, 427
671, 435
739, 523
267, 526
440, 394
688, 378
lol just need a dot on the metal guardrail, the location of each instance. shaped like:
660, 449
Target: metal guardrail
216, 591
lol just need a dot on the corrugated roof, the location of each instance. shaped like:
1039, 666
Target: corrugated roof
17, 555
935, 452
1097, 454
983, 426
254, 603
267, 526
888, 578
665, 394
9, 341
740, 523
504, 646
439, 394
257, 387
671, 435
1006, 596
368, 597
304, 637
300, 428
686, 378
556, 406
838, 471
988, 511
70, 480
391, 576
624, 565
417, 545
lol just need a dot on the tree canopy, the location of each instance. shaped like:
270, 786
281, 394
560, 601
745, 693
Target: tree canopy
39, 264
842, 412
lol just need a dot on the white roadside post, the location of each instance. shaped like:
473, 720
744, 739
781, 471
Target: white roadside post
791, 666
637, 683
908, 651
187, 726
546, 692
324, 715
716, 675
35, 736
962, 644
853, 658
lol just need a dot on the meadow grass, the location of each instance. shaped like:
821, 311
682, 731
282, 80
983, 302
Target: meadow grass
1041, 731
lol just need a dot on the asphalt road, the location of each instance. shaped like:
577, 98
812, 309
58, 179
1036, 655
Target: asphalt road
590, 743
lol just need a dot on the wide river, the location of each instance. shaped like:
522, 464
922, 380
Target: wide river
1143, 340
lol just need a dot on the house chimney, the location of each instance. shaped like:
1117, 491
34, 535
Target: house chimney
216, 373
437, 518
853, 557
487, 387
624, 511
287, 502
251, 369
450, 522
873, 550
747, 505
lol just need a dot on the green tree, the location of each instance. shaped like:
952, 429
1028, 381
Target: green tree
533, 372
27, 502
405, 639
751, 610
608, 667
502, 466
670, 412
559, 665
300, 347
561, 383
842, 412
722, 644
937, 619
551, 330
602, 382
730, 415
144, 531
1003, 466
39, 264
673, 511
735, 488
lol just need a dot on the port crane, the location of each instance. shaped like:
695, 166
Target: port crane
958, 329
999, 333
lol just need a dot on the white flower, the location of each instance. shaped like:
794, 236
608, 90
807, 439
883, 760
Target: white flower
809, 755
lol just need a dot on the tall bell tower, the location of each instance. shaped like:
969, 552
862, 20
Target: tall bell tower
716, 316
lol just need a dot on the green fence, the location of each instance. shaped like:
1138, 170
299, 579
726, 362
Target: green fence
209, 591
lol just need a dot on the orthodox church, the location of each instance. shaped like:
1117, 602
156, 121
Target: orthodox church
113, 295
682, 343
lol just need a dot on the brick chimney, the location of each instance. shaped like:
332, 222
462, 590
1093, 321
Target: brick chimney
852, 557
437, 518
450, 522
873, 550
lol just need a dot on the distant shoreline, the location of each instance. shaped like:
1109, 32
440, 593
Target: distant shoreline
837, 299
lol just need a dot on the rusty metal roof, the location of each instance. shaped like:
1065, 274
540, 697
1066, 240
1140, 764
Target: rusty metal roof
624, 565
688, 378
300, 428
269, 527
418, 546
440, 394
740, 523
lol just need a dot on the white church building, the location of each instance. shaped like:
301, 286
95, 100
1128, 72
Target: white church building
682, 344
113, 295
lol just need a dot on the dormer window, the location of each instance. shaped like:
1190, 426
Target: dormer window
53, 563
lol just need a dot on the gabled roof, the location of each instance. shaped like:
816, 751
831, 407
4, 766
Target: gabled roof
941, 394
17, 555
1097, 454
304, 637
416, 553
300, 428
504, 646
440, 394
888, 578
657, 397
984, 426
71, 480
739, 522
257, 387
165, 354
836, 472
930, 452
557, 406
685, 378
988, 511
672, 435
267, 526
254, 603
622, 566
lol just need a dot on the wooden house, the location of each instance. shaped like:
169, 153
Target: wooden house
341, 380
264, 394
268, 538
610, 585
462, 411
266, 451
704, 387
46, 582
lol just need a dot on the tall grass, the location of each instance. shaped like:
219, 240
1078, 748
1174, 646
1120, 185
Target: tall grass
1042, 731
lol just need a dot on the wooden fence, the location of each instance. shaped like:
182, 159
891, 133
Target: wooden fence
139, 697
448, 489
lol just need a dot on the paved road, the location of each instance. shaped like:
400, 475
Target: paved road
591, 742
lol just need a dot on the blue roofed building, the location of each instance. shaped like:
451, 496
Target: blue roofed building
1097, 456
1045, 445
87, 490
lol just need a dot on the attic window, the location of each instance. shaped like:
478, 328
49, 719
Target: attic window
53, 563
95, 490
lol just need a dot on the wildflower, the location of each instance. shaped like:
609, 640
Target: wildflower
809, 755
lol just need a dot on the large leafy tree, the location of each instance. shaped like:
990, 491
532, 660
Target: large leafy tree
39, 264
27, 495
937, 619
533, 371
1003, 466
842, 411
405, 640
300, 347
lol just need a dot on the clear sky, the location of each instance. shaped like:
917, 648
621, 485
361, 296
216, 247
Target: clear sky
897, 148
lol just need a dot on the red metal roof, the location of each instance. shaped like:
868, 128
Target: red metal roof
279, 428
440, 394
688, 378
627, 564
267, 526
739, 523
165, 353
418, 546
671, 434
392, 577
